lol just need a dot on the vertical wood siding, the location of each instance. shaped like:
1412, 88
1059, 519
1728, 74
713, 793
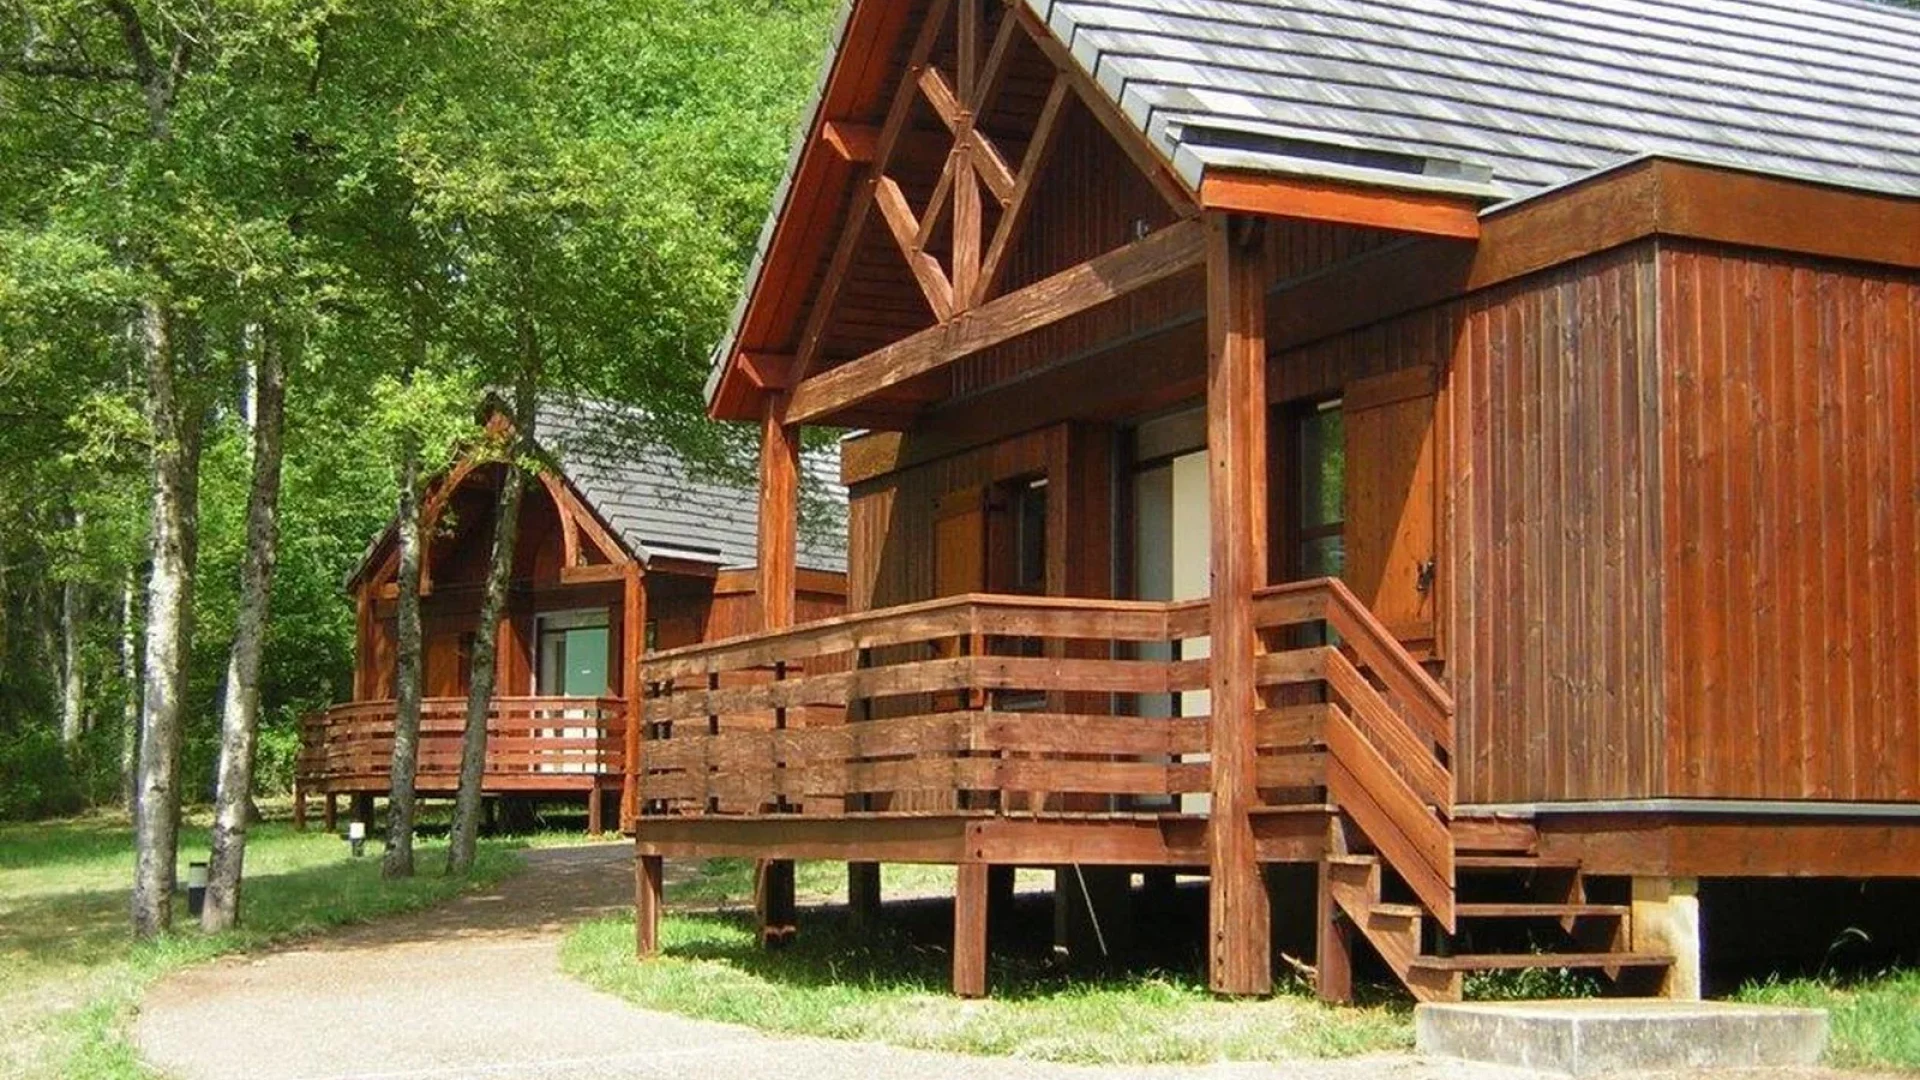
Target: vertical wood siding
1549, 540
1793, 499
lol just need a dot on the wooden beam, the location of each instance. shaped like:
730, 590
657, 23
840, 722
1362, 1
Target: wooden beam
906, 230
778, 549
767, 371
1131, 141
897, 114
649, 884
1160, 255
1039, 148
966, 229
970, 930
855, 142
1237, 913
633, 646
964, 123
569, 528
1425, 213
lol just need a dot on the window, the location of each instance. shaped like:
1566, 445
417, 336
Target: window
1028, 574
1320, 492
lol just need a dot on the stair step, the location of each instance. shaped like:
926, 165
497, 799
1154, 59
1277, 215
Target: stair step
1353, 860
1539, 911
1397, 911
1512, 862
1508, 961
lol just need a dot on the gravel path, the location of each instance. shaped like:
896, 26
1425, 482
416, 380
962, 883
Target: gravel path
472, 989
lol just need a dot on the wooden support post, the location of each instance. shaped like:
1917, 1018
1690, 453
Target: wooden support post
1238, 912
1000, 882
363, 810
863, 893
970, 930
299, 807
649, 879
330, 813
1333, 956
1666, 918
594, 808
633, 647
779, 556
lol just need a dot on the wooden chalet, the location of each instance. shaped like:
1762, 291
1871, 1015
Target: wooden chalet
615, 553
1459, 454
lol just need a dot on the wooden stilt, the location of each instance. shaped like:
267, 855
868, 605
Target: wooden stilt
363, 810
774, 901
778, 550
863, 893
970, 930
1000, 881
649, 880
1239, 931
330, 812
299, 807
1333, 958
595, 804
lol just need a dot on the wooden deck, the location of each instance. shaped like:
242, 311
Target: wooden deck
1008, 730
535, 745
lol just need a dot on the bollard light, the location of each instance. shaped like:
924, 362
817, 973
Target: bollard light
196, 888
357, 838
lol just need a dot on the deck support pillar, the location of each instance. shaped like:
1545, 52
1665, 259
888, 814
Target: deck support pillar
595, 806
970, 930
1239, 931
633, 647
1666, 918
1333, 952
363, 809
1092, 911
330, 812
863, 893
299, 807
779, 552
649, 883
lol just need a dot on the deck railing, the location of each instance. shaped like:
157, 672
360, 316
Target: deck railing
1011, 705
1335, 684
532, 742
974, 703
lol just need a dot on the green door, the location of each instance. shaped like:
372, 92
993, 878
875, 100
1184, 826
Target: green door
586, 662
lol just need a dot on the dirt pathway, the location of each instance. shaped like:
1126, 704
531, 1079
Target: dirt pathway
472, 989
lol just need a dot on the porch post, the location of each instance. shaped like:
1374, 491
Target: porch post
778, 556
633, 647
1240, 961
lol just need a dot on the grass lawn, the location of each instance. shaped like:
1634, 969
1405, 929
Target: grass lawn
69, 973
889, 986
1876, 1020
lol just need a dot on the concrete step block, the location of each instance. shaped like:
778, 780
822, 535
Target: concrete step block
1590, 1038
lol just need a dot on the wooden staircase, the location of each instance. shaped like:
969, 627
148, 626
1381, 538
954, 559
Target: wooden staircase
1513, 909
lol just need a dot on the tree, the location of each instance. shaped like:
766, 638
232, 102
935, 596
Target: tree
240, 717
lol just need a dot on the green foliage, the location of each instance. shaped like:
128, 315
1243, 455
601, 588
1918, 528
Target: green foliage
412, 194
1875, 1019
882, 985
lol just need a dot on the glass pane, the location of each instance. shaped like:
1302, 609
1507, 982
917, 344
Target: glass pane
1323, 468
586, 660
1323, 556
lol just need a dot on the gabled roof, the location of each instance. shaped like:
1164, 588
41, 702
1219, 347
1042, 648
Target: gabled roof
658, 507
1526, 93
1494, 99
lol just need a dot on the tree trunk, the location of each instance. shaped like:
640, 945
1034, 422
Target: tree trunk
240, 711
175, 526
398, 861
473, 743
72, 688
129, 685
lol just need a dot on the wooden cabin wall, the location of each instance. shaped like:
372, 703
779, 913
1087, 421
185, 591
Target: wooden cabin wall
1793, 500
890, 518
1548, 543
